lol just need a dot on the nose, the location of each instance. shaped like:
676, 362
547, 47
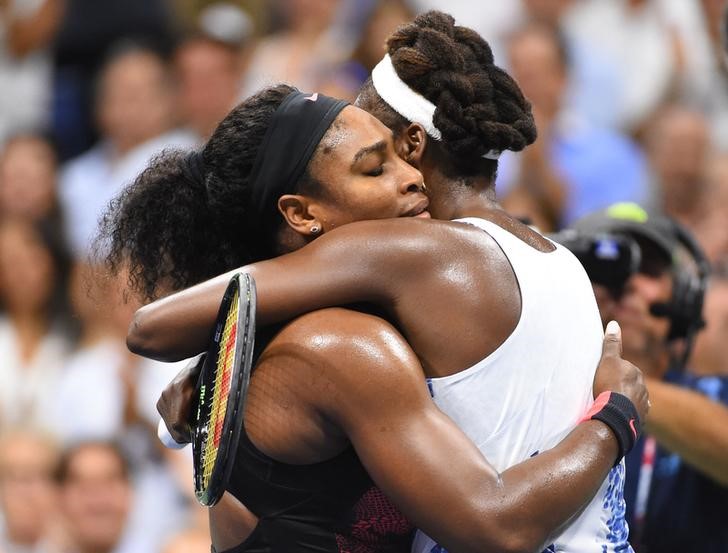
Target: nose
643, 285
411, 179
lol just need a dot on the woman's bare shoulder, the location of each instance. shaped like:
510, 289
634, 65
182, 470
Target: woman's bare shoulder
344, 344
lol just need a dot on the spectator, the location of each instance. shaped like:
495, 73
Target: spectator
28, 178
711, 230
373, 27
118, 387
594, 166
193, 540
642, 40
27, 491
27, 28
677, 477
489, 23
360, 33
208, 66
226, 23
724, 34
32, 343
711, 347
594, 88
88, 35
258, 11
690, 180
135, 117
705, 84
95, 499
108, 393
301, 53
678, 146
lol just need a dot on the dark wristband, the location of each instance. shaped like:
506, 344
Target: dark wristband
620, 415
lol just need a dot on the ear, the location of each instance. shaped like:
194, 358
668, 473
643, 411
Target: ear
297, 213
411, 144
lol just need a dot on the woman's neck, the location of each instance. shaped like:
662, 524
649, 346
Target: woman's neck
476, 198
459, 199
479, 205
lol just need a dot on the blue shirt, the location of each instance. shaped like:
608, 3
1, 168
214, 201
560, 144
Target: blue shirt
599, 167
686, 511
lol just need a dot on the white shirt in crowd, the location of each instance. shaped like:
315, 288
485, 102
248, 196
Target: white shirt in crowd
89, 182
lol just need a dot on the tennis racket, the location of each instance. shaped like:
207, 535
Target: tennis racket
223, 386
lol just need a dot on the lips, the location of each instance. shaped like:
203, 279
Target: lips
419, 210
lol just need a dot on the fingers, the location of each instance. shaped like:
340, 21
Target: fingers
613, 339
170, 420
165, 436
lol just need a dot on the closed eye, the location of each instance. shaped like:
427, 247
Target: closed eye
375, 172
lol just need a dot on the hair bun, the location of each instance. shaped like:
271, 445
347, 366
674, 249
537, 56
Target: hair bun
479, 106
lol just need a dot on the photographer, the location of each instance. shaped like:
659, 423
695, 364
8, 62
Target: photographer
650, 276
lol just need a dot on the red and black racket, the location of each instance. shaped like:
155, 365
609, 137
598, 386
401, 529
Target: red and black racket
223, 387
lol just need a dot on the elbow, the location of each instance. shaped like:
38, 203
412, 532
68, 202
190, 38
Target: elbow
518, 542
511, 544
522, 546
139, 340
505, 538
136, 340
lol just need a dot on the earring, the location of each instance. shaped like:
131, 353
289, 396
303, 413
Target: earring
315, 229
423, 188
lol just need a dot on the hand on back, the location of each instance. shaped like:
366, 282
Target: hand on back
615, 374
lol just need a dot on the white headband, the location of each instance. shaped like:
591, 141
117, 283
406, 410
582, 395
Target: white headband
409, 104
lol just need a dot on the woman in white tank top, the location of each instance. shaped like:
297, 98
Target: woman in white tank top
503, 321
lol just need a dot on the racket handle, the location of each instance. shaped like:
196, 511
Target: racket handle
166, 438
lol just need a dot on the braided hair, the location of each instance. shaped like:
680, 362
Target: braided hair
479, 107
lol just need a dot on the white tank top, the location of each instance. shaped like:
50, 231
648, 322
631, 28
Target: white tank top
529, 393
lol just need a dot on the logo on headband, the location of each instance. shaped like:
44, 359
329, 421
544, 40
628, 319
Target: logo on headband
312, 98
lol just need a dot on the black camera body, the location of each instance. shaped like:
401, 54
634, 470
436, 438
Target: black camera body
609, 243
609, 259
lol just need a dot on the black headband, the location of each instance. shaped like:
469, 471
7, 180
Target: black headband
296, 128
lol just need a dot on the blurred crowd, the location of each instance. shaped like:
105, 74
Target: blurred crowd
631, 102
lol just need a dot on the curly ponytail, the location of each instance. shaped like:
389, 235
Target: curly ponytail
186, 217
162, 226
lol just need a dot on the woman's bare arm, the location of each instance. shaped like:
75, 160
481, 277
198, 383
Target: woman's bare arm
428, 467
360, 262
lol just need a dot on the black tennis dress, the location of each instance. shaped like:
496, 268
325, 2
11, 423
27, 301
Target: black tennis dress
327, 507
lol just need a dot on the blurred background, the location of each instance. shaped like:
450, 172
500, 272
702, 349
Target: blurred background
631, 101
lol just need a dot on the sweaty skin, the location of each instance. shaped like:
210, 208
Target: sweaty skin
405, 259
536, 506
437, 281
364, 386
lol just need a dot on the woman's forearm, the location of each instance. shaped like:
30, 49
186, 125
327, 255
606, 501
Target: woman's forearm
178, 326
360, 262
328, 272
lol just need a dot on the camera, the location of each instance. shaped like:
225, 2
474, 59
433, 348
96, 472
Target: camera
609, 259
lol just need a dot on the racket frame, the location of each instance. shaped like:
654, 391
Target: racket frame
244, 285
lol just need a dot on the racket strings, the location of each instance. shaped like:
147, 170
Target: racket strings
221, 389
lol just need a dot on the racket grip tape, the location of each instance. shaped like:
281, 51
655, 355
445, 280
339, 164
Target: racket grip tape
166, 438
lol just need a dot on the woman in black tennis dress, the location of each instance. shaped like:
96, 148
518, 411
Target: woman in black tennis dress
337, 396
